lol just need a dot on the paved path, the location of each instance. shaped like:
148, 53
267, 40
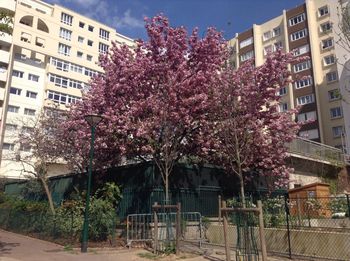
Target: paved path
15, 247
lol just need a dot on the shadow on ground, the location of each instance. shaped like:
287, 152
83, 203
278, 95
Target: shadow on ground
6, 248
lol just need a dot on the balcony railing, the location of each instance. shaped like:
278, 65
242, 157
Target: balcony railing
316, 151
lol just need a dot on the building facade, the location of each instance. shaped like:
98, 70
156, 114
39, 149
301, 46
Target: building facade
308, 30
49, 59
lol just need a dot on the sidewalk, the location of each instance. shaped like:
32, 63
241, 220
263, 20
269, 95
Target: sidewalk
15, 247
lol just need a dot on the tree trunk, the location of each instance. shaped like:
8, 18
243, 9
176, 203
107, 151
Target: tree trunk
241, 183
48, 194
166, 186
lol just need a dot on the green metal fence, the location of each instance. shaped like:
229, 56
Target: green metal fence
202, 199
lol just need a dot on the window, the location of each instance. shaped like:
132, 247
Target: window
104, 34
302, 66
247, 56
90, 72
305, 82
61, 97
91, 28
322, 11
301, 50
283, 107
277, 46
24, 147
15, 91
64, 49
282, 91
326, 27
26, 129
306, 99
276, 31
66, 18
58, 80
65, 34
328, 43
328, 60
60, 65
8, 146
334, 95
81, 24
267, 49
297, 19
246, 42
76, 68
64, 82
307, 116
79, 54
33, 77
309, 134
336, 112
102, 48
337, 131
10, 127
80, 39
32, 95
18, 74
266, 35
89, 57
13, 109
331, 76
29, 112
298, 35
90, 43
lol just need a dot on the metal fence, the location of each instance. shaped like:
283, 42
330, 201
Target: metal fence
64, 227
316, 228
316, 151
140, 228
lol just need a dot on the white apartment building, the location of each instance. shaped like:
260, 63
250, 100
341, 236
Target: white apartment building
49, 59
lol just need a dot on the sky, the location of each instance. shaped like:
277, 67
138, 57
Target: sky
227, 16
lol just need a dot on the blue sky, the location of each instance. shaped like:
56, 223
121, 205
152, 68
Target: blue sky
228, 16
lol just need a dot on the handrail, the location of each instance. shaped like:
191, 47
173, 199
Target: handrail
315, 150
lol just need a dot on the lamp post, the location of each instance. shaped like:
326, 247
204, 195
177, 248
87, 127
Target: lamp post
93, 120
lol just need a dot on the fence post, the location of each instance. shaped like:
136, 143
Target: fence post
286, 207
155, 246
178, 227
219, 200
227, 246
348, 201
262, 232
298, 209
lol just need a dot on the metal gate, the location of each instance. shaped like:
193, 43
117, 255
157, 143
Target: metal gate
140, 227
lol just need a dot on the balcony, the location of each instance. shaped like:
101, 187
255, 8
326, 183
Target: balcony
4, 56
2, 94
3, 75
308, 149
6, 38
8, 4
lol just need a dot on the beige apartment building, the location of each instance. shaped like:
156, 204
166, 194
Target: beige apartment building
311, 30
49, 59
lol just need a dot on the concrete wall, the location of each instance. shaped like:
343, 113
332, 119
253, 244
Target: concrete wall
304, 242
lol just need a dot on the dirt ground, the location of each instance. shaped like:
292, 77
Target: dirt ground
14, 247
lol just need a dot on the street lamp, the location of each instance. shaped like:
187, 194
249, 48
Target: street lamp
93, 120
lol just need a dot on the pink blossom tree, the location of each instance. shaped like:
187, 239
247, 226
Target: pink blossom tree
247, 132
156, 97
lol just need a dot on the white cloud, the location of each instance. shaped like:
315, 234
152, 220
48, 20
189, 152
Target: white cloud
84, 3
127, 20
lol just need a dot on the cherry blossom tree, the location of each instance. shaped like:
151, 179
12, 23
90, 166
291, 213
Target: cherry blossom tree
155, 97
247, 133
